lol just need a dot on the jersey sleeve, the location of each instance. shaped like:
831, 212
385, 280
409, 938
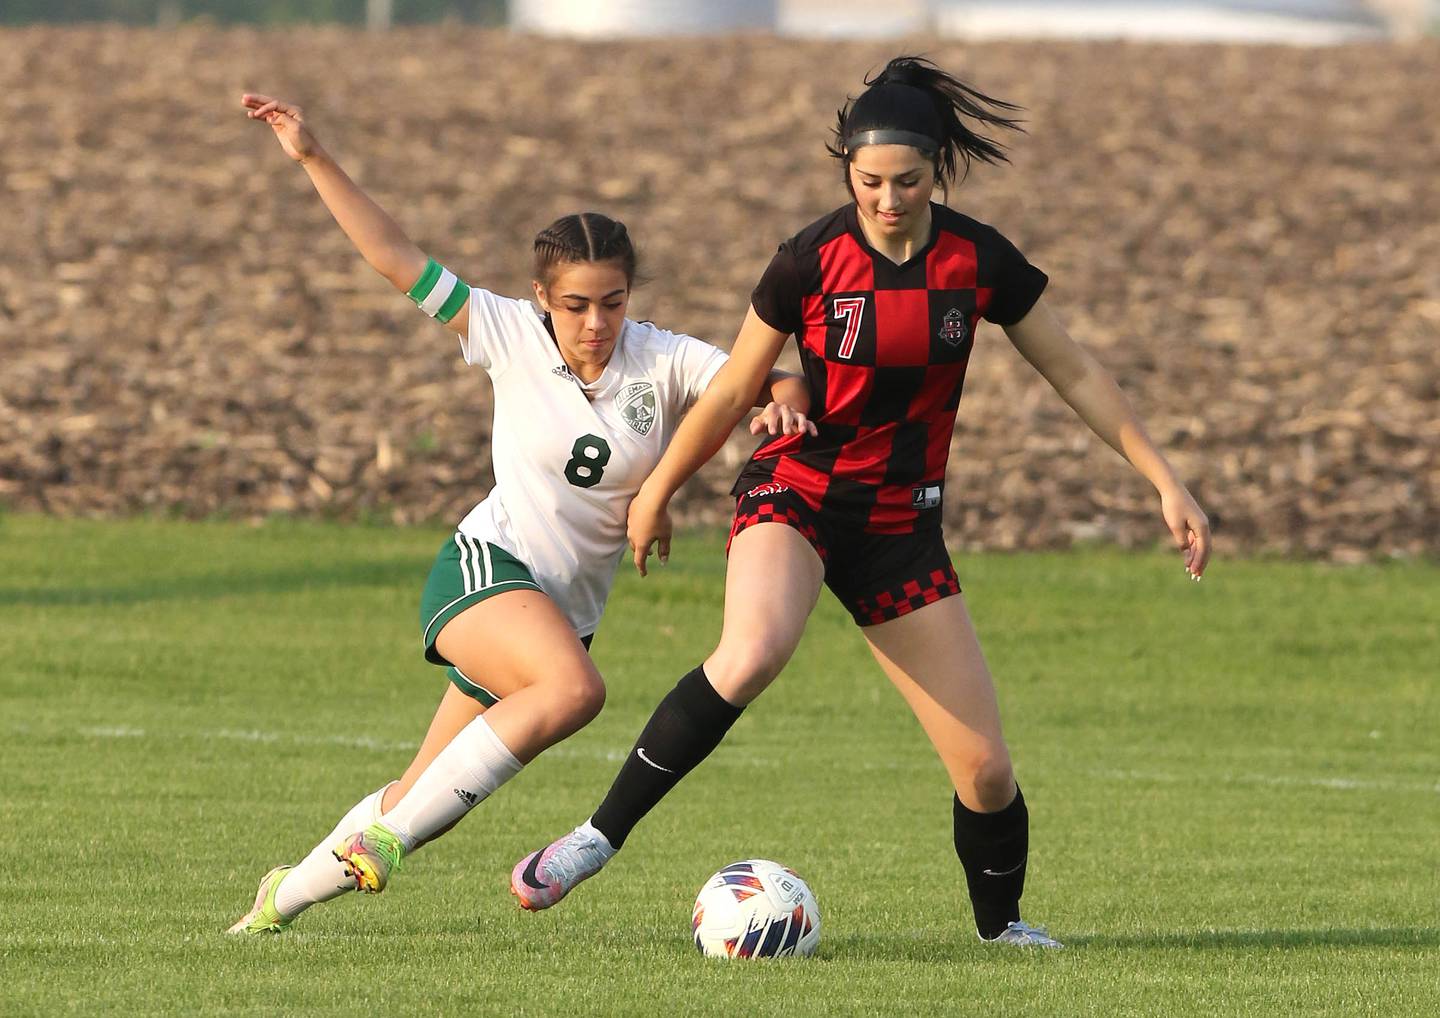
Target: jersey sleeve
694, 365
1017, 284
495, 325
777, 297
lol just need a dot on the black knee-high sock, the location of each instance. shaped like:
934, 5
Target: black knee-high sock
993, 848
686, 726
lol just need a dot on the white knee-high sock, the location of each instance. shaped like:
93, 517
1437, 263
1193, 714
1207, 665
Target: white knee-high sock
361, 815
320, 876
464, 773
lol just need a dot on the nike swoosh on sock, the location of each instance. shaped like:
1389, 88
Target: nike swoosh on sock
640, 752
1004, 873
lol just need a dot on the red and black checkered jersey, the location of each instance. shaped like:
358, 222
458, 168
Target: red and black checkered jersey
884, 349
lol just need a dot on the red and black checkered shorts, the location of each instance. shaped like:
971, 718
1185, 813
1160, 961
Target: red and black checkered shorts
877, 577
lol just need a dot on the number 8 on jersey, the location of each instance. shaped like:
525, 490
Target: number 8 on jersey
588, 457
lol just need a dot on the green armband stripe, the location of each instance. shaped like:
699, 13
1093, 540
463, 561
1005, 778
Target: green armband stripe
426, 282
439, 292
454, 302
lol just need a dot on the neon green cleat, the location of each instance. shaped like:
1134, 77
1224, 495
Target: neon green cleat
263, 918
370, 857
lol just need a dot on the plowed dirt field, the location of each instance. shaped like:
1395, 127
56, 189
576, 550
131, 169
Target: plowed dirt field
1249, 237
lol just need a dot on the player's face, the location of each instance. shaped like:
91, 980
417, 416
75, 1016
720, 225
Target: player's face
587, 302
892, 186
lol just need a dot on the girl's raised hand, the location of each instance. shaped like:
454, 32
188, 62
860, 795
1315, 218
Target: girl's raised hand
288, 122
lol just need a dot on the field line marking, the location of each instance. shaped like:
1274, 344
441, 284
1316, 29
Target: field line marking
1275, 780
246, 735
1341, 784
296, 739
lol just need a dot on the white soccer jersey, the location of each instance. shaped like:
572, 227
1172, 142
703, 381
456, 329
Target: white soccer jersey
569, 458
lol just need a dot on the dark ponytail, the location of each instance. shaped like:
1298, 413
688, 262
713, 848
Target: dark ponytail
584, 237
915, 100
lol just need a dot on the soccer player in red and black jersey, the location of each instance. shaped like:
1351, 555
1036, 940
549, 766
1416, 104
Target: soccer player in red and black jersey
883, 297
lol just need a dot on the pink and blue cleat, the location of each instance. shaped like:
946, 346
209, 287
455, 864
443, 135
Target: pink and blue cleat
542, 878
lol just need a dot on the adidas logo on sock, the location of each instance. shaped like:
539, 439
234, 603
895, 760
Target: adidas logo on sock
467, 797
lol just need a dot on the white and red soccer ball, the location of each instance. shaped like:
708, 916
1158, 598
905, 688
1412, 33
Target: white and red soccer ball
756, 909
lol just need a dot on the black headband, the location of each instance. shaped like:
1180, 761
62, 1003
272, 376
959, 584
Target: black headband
891, 136
890, 113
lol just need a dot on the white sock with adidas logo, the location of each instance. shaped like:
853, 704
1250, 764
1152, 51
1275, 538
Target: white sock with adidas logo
461, 777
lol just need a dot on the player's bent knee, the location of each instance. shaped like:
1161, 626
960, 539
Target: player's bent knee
739, 674
580, 698
993, 779
590, 700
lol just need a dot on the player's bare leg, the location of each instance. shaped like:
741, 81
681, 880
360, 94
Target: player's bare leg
548, 689
933, 657
528, 655
772, 581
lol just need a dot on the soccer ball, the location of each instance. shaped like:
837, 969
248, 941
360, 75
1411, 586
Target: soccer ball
756, 909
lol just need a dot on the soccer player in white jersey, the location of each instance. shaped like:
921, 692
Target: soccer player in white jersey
585, 401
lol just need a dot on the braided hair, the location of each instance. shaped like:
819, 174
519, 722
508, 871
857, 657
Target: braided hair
583, 237
913, 102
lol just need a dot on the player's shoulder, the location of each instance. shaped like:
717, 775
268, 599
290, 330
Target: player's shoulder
671, 362
509, 319
645, 338
951, 221
521, 309
819, 233
648, 345
500, 330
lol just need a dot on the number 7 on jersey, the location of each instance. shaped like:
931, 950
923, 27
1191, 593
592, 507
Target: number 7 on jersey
851, 310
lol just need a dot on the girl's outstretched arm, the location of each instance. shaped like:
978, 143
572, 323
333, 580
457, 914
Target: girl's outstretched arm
377, 237
701, 434
1092, 393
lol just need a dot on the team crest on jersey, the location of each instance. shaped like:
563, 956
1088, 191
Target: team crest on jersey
636, 403
953, 329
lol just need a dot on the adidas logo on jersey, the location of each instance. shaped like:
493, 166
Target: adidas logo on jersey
636, 403
562, 372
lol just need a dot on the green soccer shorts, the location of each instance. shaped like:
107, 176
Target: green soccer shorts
466, 572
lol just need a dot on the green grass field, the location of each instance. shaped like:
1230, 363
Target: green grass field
1234, 789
